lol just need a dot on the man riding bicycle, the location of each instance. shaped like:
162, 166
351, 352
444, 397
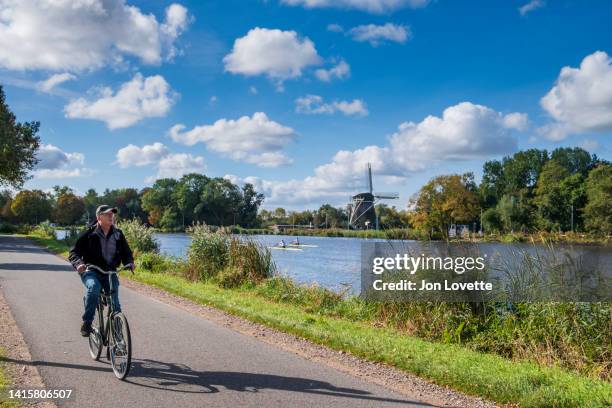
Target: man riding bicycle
105, 246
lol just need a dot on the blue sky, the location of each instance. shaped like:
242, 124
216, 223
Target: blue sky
297, 96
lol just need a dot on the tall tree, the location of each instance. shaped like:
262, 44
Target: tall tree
32, 206
69, 209
574, 160
159, 198
247, 210
444, 200
559, 197
18, 145
598, 211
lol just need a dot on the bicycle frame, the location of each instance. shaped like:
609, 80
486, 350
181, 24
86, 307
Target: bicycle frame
105, 325
106, 299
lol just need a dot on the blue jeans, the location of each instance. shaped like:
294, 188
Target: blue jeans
93, 282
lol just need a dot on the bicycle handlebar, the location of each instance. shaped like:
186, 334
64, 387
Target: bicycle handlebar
88, 266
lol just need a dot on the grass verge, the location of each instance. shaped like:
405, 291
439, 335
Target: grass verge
5, 383
496, 378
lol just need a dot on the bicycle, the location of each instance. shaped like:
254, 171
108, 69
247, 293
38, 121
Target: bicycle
115, 334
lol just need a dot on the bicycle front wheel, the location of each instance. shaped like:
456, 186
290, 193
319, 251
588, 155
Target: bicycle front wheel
120, 346
95, 337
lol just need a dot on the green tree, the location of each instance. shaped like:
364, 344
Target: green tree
491, 220
6, 199
328, 216
559, 197
510, 213
69, 209
221, 201
18, 145
32, 206
389, 217
522, 170
442, 201
598, 211
574, 160
493, 185
91, 201
159, 198
187, 195
247, 209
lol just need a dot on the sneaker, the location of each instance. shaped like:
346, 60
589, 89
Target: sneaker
85, 329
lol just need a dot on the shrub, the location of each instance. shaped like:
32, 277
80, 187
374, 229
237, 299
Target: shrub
44, 230
154, 262
139, 237
7, 228
208, 252
252, 259
229, 259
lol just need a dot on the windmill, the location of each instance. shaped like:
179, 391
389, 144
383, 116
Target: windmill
362, 210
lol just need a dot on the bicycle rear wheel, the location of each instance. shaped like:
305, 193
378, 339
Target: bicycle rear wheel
95, 337
120, 346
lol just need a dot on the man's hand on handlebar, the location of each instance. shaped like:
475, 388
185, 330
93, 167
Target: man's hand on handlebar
82, 268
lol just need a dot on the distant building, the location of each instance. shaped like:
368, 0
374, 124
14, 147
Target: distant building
459, 230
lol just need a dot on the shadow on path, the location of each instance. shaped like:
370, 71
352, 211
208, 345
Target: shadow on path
181, 378
35, 267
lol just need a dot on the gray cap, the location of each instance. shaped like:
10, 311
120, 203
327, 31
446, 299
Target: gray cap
103, 209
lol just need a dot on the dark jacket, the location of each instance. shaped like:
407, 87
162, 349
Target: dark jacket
87, 250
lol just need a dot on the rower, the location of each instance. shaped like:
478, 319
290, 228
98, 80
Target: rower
296, 241
282, 244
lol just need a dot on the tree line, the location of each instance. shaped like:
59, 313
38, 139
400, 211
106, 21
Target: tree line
169, 204
568, 189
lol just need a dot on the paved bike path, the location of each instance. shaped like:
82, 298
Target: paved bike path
179, 359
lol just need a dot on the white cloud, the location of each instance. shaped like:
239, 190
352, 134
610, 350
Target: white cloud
590, 145
553, 131
377, 34
518, 121
532, 5
168, 165
55, 163
86, 34
55, 80
178, 164
341, 71
177, 19
314, 104
137, 99
581, 100
132, 155
335, 28
278, 54
465, 131
371, 6
255, 139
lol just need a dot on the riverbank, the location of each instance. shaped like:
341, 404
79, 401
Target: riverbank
359, 328
542, 237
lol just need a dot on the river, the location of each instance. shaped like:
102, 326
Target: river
335, 263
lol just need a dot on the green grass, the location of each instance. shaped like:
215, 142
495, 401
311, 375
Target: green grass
487, 375
5, 383
494, 377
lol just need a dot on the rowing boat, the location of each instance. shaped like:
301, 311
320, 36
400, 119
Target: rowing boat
303, 246
285, 249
